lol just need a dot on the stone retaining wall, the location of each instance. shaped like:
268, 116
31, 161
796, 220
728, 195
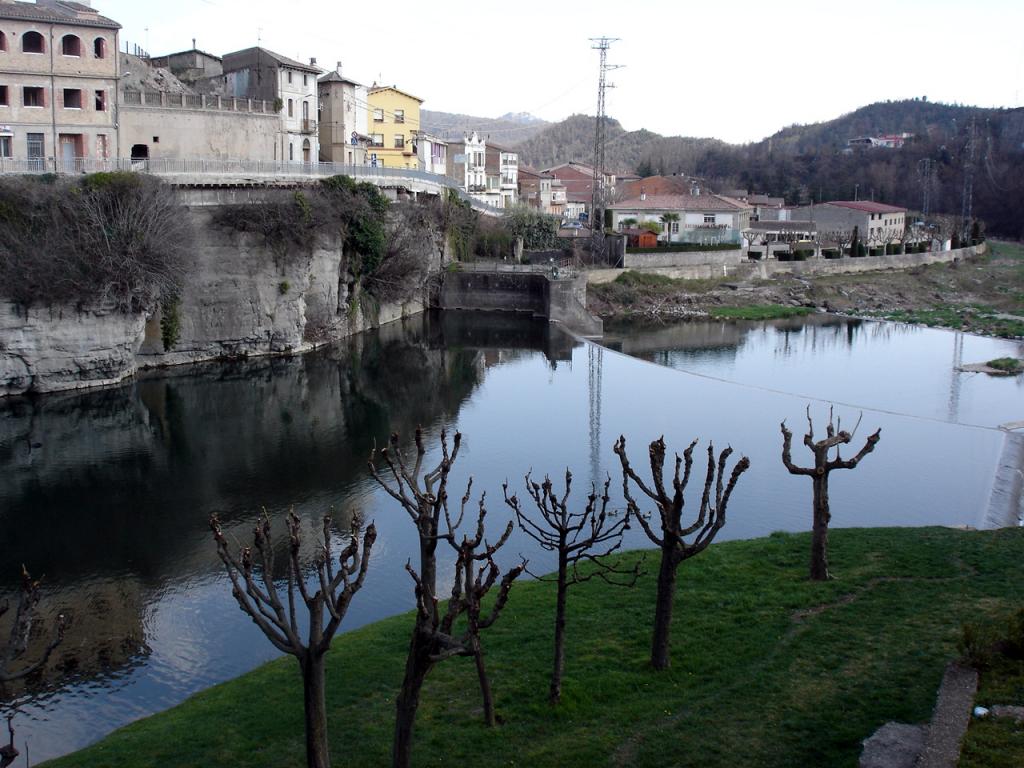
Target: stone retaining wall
765, 269
633, 260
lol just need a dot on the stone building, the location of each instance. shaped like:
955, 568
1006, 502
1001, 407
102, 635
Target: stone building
343, 119
262, 75
58, 84
164, 118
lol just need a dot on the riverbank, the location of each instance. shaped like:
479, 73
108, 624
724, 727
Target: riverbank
983, 295
768, 667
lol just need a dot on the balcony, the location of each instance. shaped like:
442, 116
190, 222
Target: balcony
308, 126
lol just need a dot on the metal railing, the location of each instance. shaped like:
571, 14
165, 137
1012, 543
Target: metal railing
247, 169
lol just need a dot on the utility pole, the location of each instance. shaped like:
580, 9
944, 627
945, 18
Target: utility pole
598, 196
968, 194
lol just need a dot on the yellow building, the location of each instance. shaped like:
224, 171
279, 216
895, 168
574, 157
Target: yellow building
394, 121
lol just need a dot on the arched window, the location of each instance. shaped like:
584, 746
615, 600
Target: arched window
291, 108
71, 45
99, 48
3, 42
306, 151
32, 42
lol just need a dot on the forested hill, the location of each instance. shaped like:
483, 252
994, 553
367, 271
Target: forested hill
810, 162
573, 139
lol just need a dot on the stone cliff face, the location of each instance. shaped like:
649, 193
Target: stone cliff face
239, 299
55, 348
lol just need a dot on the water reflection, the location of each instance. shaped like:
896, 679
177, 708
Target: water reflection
887, 366
108, 492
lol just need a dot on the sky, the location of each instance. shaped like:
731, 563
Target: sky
737, 71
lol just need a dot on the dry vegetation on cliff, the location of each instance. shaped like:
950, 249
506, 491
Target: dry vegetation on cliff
104, 238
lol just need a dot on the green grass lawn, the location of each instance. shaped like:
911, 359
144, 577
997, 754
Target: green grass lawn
769, 669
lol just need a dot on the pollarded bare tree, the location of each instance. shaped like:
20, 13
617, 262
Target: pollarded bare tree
423, 494
471, 586
823, 467
589, 536
17, 645
840, 238
258, 594
673, 532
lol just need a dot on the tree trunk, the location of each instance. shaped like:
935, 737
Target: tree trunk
485, 683
555, 694
317, 755
663, 609
416, 668
819, 535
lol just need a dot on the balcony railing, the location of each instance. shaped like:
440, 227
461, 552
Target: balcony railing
308, 126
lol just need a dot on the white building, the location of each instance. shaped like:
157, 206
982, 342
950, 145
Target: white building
257, 73
431, 153
508, 169
700, 218
467, 163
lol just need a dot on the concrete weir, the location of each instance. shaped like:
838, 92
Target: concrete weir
540, 294
1006, 502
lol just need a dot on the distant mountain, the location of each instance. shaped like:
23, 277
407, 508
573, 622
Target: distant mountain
573, 139
510, 128
521, 117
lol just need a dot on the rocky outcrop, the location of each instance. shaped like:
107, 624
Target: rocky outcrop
239, 299
56, 348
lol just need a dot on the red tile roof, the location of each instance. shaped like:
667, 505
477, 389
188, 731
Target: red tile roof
866, 206
705, 202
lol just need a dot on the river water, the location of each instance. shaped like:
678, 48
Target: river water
108, 492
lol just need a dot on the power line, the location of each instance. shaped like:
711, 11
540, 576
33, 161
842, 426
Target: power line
597, 203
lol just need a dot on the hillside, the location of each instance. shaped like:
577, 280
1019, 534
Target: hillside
573, 139
810, 162
510, 128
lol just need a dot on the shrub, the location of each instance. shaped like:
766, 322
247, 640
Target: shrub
170, 322
119, 238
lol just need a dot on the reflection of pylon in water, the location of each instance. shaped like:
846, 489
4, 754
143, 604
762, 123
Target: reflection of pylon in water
595, 359
954, 386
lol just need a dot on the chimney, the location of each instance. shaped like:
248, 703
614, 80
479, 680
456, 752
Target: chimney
338, 69
643, 193
312, 61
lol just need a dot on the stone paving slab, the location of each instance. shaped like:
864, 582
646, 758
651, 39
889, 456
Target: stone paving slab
950, 719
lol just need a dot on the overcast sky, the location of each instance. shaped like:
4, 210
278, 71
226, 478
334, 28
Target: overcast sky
736, 70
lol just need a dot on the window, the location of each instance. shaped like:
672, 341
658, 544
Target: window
399, 141
5, 146
378, 115
33, 96
99, 48
399, 115
101, 101
103, 146
291, 108
376, 139
291, 147
3, 42
305, 80
72, 98
3, 96
71, 45
709, 218
32, 42
289, 78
